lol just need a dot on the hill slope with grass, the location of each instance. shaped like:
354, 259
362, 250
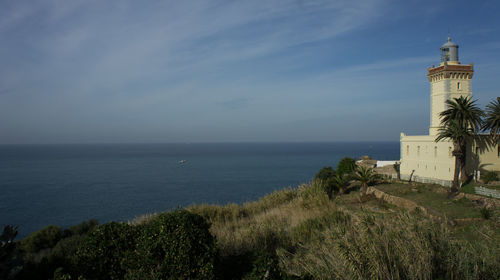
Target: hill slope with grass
314, 231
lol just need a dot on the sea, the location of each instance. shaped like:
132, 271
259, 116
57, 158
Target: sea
64, 185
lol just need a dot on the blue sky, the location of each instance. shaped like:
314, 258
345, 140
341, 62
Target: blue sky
232, 71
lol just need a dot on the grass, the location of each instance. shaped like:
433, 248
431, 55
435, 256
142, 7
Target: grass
435, 199
306, 235
469, 188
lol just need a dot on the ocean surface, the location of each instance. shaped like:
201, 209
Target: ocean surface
67, 184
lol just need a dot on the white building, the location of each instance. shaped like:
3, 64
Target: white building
422, 158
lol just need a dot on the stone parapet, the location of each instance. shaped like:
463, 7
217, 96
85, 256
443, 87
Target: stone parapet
425, 180
487, 192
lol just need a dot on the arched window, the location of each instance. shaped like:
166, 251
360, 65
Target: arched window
435, 151
458, 85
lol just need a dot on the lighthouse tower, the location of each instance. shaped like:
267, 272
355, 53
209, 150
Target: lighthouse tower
422, 158
448, 80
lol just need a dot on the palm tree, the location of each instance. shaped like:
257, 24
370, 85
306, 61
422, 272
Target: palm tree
459, 136
366, 176
340, 182
461, 123
492, 119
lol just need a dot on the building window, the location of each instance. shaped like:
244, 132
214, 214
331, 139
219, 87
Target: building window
418, 150
407, 150
458, 85
435, 151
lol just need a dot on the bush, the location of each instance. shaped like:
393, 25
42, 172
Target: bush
42, 239
346, 165
176, 245
107, 252
265, 266
8, 252
81, 229
486, 213
325, 177
325, 173
489, 176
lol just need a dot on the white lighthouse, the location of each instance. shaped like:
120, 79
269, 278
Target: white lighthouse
422, 158
448, 80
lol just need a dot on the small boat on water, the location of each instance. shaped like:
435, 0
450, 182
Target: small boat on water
182, 161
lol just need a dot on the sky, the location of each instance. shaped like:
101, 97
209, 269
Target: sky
232, 71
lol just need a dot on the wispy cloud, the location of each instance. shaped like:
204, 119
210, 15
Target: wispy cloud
110, 64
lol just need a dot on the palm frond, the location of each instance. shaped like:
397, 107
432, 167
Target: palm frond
465, 111
492, 119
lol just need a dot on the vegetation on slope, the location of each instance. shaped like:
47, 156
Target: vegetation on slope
294, 233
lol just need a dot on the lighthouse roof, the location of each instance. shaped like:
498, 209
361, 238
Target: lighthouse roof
449, 44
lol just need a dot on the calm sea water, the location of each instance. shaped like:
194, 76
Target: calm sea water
67, 184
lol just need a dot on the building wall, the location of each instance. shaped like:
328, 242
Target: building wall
443, 89
426, 158
428, 161
488, 157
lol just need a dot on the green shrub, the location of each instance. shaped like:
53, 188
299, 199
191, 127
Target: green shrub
107, 252
486, 213
346, 165
489, 176
265, 266
40, 262
42, 239
82, 228
176, 245
8, 251
325, 173
60, 275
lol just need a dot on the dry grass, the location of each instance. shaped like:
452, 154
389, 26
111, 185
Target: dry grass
352, 237
143, 219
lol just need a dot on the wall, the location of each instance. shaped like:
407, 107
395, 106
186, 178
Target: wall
434, 163
429, 159
489, 159
487, 192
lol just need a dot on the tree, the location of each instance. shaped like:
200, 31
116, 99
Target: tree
325, 173
460, 123
325, 177
346, 165
492, 119
340, 182
366, 176
176, 245
107, 251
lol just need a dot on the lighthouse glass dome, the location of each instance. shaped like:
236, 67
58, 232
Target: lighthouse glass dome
449, 51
